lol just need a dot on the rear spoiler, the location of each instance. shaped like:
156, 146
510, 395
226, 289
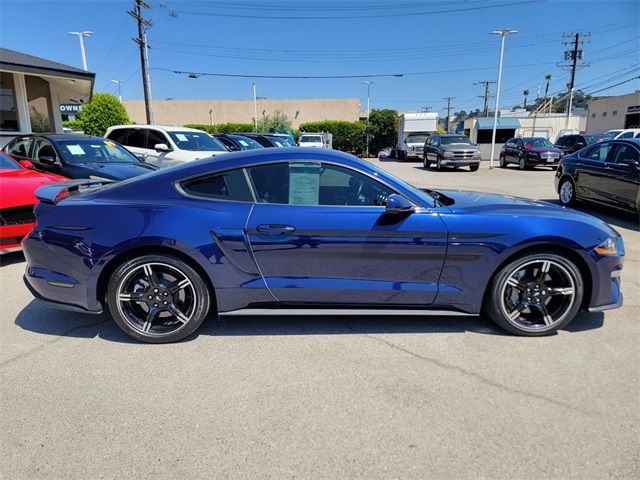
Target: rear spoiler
55, 192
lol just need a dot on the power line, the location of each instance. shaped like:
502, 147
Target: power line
617, 84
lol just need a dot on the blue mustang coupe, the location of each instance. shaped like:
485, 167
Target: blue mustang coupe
314, 229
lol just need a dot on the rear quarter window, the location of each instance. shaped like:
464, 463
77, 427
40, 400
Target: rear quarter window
230, 186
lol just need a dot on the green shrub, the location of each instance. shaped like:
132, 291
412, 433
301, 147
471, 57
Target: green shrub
103, 111
382, 130
223, 127
72, 124
347, 136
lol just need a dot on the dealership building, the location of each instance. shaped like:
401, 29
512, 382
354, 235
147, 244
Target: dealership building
610, 113
209, 112
35, 93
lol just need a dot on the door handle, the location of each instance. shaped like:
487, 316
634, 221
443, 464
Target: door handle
273, 229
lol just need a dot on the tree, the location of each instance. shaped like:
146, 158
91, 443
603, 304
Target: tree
275, 122
580, 100
382, 129
525, 92
103, 111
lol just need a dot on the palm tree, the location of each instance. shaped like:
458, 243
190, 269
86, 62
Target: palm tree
548, 78
526, 94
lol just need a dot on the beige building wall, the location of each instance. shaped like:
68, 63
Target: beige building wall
181, 112
610, 113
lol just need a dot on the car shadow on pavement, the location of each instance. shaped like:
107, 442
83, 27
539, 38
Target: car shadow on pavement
617, 218
11, 258
44, 320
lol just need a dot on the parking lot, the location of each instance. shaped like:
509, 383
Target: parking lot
326, 397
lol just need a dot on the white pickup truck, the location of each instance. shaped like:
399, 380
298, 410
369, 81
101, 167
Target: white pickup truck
318, 140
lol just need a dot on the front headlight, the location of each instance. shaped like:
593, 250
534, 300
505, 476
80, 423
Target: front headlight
611, 246
447, 154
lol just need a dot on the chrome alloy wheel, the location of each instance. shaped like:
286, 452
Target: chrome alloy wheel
537, 295
156, 299
566, 192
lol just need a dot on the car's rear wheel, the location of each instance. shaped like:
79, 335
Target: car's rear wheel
158, 298
475, 167
535, 295
567, 192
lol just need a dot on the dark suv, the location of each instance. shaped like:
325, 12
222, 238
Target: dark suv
450, 150
572, 143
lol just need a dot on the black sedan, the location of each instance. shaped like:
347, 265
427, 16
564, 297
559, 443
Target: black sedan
78, 156
267, 140
235, 142
528, 152
607, 173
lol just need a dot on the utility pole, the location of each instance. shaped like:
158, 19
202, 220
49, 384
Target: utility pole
119, 83
573, 55
368, 84
141, 40
448, 99
255, 109
426, 108
81, 36
486, 96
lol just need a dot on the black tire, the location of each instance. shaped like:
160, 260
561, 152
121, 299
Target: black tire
439, 165
537, 303
475, 167
425, 162
158, 298
503, 161
522, 163
567, 192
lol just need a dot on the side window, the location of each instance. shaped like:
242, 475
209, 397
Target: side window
20, 147
119, 135
598, 153
624, 154
43, 148
231, 185
137, 138
310, 183
626, 135
518, 142
561, 142
156, 137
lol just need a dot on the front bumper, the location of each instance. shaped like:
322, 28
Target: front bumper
551, 162
460, 161
12, 235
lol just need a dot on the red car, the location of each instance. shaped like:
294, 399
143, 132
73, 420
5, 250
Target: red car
18, 182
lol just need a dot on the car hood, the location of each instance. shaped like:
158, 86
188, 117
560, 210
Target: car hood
544, 149
18, 186
480, 203
110, 171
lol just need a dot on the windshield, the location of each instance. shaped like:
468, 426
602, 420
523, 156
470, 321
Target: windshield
7, 164
94, 151
455, 140
537, 143
417, 138
245, 143
590, 139
196, 142
285, 140
311, 139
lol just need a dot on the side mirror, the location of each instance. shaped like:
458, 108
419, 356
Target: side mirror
398, 204
47, 160
161, 147
26, 164
630, 163
140, 157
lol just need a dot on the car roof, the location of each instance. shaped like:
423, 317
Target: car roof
167, 128
60, 136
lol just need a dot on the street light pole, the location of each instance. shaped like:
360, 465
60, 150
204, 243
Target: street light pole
81, 36
255, 109
503, 35
368, 83
119, 83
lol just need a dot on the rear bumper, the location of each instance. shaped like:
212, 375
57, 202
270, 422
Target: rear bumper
32, 286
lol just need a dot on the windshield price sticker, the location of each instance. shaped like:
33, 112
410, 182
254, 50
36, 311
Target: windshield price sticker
75, 150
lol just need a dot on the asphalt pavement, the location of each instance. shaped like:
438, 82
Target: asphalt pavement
326, 397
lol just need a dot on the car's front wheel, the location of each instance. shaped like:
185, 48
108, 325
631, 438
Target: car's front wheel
439, 165
475, 167
425, 162
158, 298
567, 192
522, 163
503, 161
535, 295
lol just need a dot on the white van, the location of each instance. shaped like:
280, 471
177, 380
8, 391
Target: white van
164, 146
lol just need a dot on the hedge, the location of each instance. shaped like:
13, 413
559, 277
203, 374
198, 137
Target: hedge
72, 124
347, 136
223, 127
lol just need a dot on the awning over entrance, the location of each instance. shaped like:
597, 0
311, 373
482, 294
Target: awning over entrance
503, 124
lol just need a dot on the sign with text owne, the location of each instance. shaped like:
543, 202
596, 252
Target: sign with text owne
70, 108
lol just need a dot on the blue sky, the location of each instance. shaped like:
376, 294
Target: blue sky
442, 54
